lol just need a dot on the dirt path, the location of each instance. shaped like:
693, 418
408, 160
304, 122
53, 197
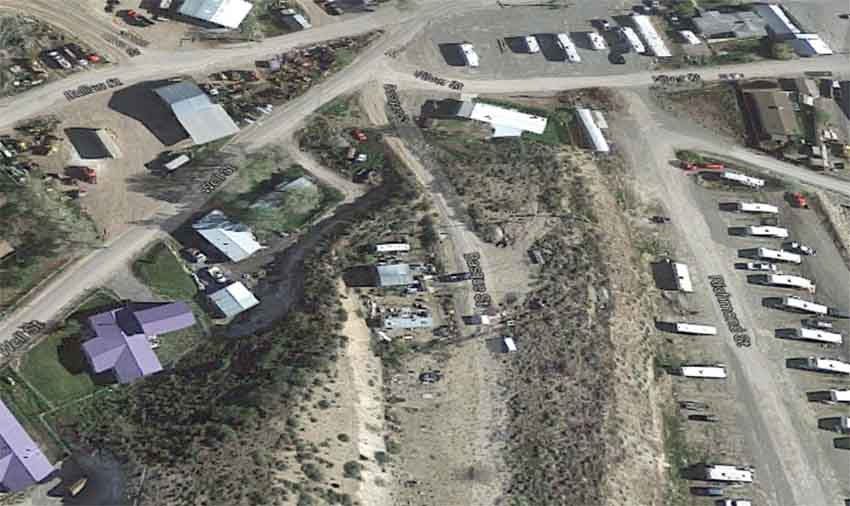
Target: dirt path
350, 189
368, 384
372, 102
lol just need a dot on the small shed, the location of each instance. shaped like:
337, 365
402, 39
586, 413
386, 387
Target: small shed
233, 299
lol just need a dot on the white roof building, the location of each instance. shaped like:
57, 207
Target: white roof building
689, 37
682, 277
234, 240
233, 299
653, 40
508, 122
227, 13
594, 133
809, 44
203, 120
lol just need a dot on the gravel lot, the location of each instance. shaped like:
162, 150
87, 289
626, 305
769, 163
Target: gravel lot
484, 28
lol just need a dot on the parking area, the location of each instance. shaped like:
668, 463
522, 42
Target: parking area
822, 16
724, 440
495, 34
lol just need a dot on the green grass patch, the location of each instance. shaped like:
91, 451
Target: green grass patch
26, 406
56, 367
163, 272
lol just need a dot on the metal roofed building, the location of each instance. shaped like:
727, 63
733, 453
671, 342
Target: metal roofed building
394, 275
592, 130
227, 13
777, 21
121, 343
809, 44
22, 463
729, 25
776, 117
408, 322
233, 299
234, 240
203, 120
507, 122
650, 35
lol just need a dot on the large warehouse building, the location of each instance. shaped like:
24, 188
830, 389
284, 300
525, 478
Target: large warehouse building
203, 120
226, 13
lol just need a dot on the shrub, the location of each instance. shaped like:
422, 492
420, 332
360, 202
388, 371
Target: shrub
352, 469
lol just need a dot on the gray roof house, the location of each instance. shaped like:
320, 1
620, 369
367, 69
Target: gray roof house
121, 341
233, 299
394, 275
727, 25
203, 120
22, 463
234, 240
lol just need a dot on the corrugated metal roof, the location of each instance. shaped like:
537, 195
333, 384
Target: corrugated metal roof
22, 463
234, 240
233, 299
203, 120
228, 13
508, 122
394, 275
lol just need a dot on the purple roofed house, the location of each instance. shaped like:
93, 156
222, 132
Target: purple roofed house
21, 461
121, 341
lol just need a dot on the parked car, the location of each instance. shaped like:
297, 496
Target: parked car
195, 255
217, 274
796, 247
707, 491
761, 266
617, 59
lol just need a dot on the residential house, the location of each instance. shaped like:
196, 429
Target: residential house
122, 341
233, 240
730, 25
226, 13
22, 463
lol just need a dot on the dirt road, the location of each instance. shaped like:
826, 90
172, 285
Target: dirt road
786, 456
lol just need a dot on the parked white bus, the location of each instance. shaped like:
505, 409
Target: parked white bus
703, 371
787, 281
821, 336
804, 306
569, 47
779, 255
755, 207
768, 231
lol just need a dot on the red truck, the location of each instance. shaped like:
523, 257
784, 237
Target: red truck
701, 166
797, 199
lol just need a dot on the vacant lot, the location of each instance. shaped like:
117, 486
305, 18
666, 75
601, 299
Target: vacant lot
714, 107
163, 272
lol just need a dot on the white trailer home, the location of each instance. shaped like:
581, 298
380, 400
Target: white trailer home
818, 335
827, 365
736, 177
692, 328
716, 371
786, 281
569, 47
778, 255
755, 207
804, 306
767, 231
392, 247
469, 54
682, 277
728, 473
831, 396
531, 44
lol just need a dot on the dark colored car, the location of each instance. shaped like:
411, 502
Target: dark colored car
617, 59
707, 491
703, 418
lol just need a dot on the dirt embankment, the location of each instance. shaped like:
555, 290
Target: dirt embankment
583, 418
838, 217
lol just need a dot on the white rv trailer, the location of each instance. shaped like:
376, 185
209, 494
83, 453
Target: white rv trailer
597, 42
392, 247
469, 54
531, 44
722, 472
569, 47
804, 306
692, 328
683, 277
821, 336
829, 365
736, 177
767, 231
831, 396
779, 255
653, 40
754, 207
787, 281
703, 371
